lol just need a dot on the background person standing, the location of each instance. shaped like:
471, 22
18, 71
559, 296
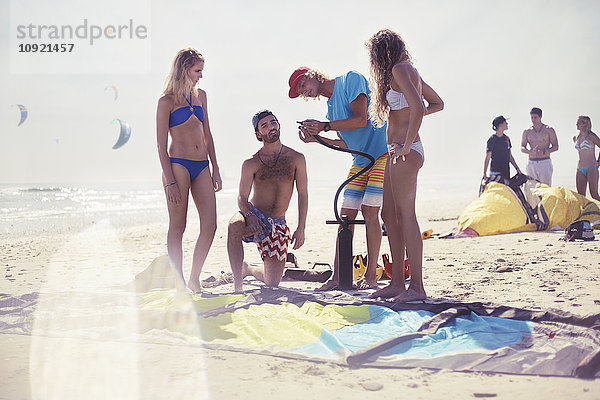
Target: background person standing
538, 142
498, 151
587, 166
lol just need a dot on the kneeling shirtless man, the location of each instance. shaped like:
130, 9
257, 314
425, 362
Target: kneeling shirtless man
270, 174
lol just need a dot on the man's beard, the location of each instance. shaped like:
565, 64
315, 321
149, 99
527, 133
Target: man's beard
271, 138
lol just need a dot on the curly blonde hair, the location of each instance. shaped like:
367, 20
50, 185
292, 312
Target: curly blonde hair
386, 49
178, 83
315, 73
319, 76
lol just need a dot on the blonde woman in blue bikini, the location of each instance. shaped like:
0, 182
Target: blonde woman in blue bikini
587, 167
182, 115
399, 95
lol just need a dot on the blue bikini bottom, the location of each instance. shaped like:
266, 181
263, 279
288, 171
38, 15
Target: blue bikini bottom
194, 167
585, 170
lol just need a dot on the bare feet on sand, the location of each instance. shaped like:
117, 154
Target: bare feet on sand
329, 285
398, 294
364, 283
409, 295
194, 287
388, 291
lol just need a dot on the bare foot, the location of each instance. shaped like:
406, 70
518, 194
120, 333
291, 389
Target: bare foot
329, 285
194, 288
238, 288
364, 283
388, 291
409, 295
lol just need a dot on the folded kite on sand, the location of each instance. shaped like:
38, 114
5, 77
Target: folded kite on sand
527, 207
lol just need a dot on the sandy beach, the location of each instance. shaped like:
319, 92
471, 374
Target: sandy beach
534, 271
83, 218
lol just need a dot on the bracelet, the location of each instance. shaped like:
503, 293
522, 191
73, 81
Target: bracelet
171, 183
248, 214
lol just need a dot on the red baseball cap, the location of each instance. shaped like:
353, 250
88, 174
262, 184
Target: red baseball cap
294, 79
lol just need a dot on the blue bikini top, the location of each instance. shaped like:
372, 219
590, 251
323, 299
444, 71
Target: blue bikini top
182, 114
584, 145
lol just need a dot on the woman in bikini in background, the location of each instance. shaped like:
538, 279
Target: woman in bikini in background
587, 166
182, 112
397, 95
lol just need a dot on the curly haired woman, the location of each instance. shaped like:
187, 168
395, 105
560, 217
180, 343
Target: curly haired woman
399, 96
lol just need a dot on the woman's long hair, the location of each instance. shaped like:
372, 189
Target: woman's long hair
178, 83
386, 49
587, 120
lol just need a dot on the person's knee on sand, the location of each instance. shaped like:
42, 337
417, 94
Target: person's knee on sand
273, 271
270, 273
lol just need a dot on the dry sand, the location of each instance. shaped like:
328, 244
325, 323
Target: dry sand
527, 270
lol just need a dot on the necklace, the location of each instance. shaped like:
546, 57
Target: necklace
276, 158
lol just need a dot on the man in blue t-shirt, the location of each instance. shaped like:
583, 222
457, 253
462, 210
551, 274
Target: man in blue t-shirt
347, 113
498, 150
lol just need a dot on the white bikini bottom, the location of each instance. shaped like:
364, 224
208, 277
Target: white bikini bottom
395, 147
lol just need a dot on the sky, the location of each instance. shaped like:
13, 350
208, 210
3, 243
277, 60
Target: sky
484, 58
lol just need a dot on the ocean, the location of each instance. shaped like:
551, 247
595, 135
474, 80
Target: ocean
60, 207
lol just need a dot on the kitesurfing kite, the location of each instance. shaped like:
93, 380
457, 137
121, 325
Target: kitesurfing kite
124, 133
114, 90
23, 110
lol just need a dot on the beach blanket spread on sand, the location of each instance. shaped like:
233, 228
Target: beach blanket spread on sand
467, 337
333, 327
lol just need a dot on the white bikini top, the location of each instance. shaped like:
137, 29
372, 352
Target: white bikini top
397, 101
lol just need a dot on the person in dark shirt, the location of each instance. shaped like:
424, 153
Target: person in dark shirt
498, 151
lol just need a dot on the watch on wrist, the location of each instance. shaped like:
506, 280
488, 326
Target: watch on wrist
327, 127
248, 214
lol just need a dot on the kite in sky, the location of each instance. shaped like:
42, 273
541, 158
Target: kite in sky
114, 89
23, 110
124, 133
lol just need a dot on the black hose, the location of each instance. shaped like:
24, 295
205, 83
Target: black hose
356, 175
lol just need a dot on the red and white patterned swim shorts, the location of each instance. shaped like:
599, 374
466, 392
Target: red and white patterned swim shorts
275, 245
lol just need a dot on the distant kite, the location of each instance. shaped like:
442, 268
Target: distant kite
114, 89
23, 110
124, 133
